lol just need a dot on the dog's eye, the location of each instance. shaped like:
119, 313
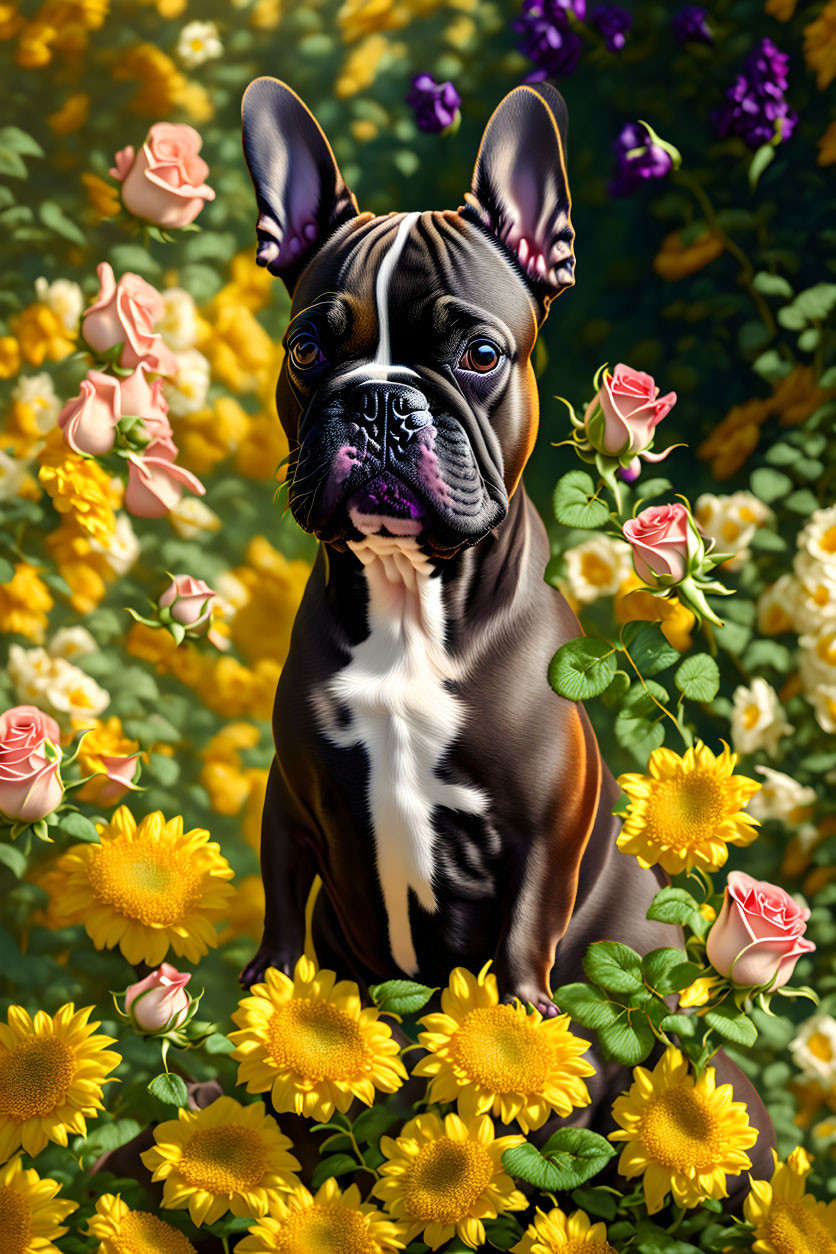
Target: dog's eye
481, 356
305, 353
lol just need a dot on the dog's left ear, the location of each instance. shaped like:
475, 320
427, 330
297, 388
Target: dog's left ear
301, 194
520, 192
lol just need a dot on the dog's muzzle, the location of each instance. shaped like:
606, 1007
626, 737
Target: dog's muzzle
391, 414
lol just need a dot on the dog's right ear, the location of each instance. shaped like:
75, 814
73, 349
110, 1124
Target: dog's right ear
302, 197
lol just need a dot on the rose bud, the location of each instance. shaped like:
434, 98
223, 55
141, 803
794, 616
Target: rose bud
146, 401
155, 483
30, 760
664, 541
623, 415
89, 420
124, 313
190, 600
759, 935
165, 182
160, 1000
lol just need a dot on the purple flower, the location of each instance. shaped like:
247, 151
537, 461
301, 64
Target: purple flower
691, 24
547, 38
436, 105
638, 160
754, 108
613, 22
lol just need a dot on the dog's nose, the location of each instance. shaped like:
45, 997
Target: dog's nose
390, 412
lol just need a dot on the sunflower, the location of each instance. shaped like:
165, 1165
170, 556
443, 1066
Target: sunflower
145, 887
51, 1077
442, 1179
500, 1059
124, 1231
559, 1233
312, 1045
31, 1213
223, 1157
785, 1218
329, 1223
683, 1133
687, 810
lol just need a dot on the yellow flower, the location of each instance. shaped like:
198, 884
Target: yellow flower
329, 1223
820, 46
676, 260
31, 1213
161, 85
263, 449
25, 603
687, 810
261, 628
72, 115
238, 347
51, 1075
312, 1045
683, 1134
827, 146
145, 887
105, 740
244, 916
251, 822
441, 1180
361, 66
121, 1230
102, 196
266, 14
675, 619
223, 1157
559, 1233
699, 993
41, 334
786, 1219
9, 356
496, 1058
80, 487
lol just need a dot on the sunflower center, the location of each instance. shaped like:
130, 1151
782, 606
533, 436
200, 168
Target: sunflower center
500, 1050
34, 1077
316, 1040
229, 1159
156, 886
326, 1230
446, 1180
792, 1229
15, 1222
580, 1245
679, 1130
686, 810
143, 1233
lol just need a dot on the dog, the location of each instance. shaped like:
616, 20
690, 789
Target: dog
454, 806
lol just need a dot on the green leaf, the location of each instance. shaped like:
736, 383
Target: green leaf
652, 1239
19, 141
761, 158
771, 365
7, 570
401, 997
107, 1135
761, 653
657, 967
169, 1089
73, 823
828, 379
673, 905
650, 488
769, 485
730, 1023
682, 1025
582, 668
370, 1124
698, 678
569, 1158
617, 689
217, 1043
649, 648
12, 164
53, 216
595, 1201
802, 502
629, 1040
771, 284
503, 1233
333, 1165
613, 966
816, 302
15, 859
587, 1005
576, 504
733, 637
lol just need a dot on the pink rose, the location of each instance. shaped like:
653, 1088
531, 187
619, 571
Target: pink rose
160, 1000
759, 935
124, 313
165, 182
190, 600
662, 541
632, 409
155, 483
146, 400
30, 758
89, 419
119, 773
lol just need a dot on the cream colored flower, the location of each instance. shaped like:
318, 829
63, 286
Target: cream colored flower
54, 685
731, 522
816, 592
71, 642
814, 1050
818, 538
37, 392
13, 472
596, 568
778, 606
122, 548
64, 298
186, 392
231, 595
818, 659
198, 42
191, 518
782, 797
179, 323
757, 718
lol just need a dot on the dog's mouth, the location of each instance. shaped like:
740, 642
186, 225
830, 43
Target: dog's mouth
386, 505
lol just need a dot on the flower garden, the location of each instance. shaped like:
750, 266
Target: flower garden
150, 573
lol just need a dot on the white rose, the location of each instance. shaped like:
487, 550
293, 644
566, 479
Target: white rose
596, 568
198, 42
37, 391
757, 720
64, 298
178, 325
781, 797
814, 1050
818, 537
186, 392
122, 548
816, 582
823, 701
231, 595
54, 685
70, 642
731, 522
818, 660
778, 606
191, 517
13, 471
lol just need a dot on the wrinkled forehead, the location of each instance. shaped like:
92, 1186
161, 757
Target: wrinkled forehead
418, 273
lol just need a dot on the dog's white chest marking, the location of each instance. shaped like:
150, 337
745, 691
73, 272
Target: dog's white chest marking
405, 718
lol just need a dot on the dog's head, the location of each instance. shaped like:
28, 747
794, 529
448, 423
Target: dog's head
407, 391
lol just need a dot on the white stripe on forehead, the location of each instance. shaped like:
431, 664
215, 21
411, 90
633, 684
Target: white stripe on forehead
383, 356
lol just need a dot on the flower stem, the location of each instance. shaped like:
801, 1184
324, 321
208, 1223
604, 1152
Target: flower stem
665, 711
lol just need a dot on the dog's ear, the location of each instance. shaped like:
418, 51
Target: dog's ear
520, 192
301, 194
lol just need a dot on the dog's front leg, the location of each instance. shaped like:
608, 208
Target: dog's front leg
288, 869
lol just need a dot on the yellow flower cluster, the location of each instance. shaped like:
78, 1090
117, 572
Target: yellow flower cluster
80, 488
224, 777
820, 46
41, 335
162, 87
25, 602
58, 26
81, 563
261, 628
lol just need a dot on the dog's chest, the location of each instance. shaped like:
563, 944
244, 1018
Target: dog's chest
405, 717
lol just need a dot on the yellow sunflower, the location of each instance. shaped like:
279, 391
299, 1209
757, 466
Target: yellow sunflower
559, 1233
687, 810
683, 1134
31, 1213
497, 1058
51, 1075
440, 1180
124, 1231
145, 887
785, 1218
223, 1157
310, 1042
329, 1223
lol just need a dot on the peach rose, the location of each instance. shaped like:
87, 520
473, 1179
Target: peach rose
190, 600
160, 1000
124, 313
30, 758
661, 542
632, 408
165, 183
89, 419
155, 483
146, 400
759, 935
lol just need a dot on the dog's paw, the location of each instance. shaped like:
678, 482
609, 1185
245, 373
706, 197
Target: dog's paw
267, 956
533, 997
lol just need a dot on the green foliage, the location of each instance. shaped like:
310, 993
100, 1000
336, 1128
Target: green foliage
582, 669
